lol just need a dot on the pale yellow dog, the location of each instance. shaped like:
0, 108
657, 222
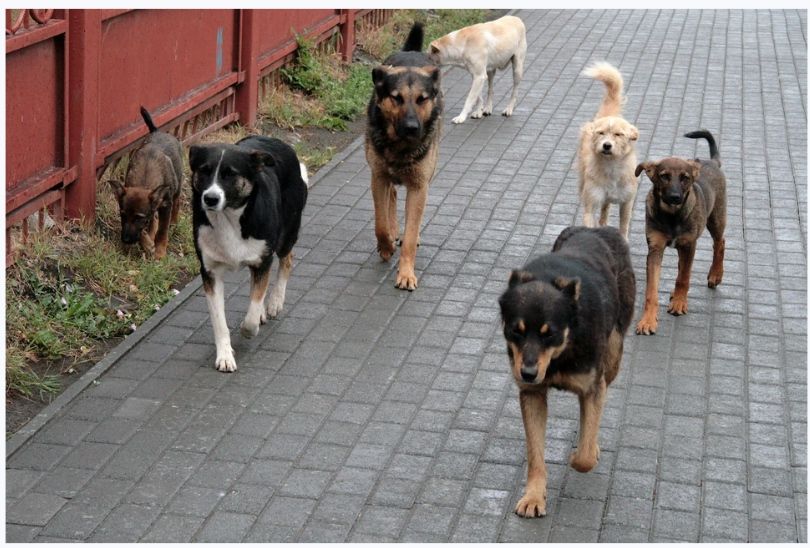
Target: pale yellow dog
482, 49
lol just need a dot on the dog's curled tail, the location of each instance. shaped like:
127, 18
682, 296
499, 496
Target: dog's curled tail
612, 78
148, 119
714, 152
415, 38
304, 174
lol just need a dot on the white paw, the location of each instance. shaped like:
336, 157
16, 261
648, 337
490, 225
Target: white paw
275, 305
487, 111
477, 114
249, 329
225, 362
507, 111
459, 119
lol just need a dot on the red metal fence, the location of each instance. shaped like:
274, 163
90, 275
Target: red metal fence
76, 78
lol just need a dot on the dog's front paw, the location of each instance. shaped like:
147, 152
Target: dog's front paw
477, 114
225, 362
647, 325
507, 111
275, 305
386, 249
459, 119
582, 462
532, 505
715, 278
249, 329
677, 306
487, 111
406, 279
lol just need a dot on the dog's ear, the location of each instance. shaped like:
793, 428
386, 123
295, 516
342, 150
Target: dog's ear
695, 169
632, 133
196, 156
158, 196
588, 128
648, 168
378, 75
261, 160
435, 51
520, 277
570, 287
118, 188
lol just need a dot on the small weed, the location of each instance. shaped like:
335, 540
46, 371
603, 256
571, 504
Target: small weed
20, 379
313, 156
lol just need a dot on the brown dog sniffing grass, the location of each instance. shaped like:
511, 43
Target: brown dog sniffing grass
149, 198
687, 196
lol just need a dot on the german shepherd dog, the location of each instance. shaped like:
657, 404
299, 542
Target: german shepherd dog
149, 198
687, 196
564, 319
402, 144
247, 204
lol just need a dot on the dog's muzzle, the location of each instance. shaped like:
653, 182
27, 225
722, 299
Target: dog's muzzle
673, 199
213, 200
607, 149
528, 374
129, 237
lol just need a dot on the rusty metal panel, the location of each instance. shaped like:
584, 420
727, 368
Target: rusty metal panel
35, 110
279, 27
156, 57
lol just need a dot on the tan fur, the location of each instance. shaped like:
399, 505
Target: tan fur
534, 409
482, 49
607, 178
656, 242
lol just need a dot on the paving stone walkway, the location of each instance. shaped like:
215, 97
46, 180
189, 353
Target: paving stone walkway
369, 414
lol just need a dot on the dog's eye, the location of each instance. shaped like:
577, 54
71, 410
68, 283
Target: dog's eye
663, 176
618, 134
421, 99
204, 169
398, 98
226, 171
600, 132
684, 177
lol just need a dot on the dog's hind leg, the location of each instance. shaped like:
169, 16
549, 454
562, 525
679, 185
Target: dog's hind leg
176, 208
586, 456
490, 81
215, 296
517, 76
473, 97
259, 280
604, 214
276, 303
534, 408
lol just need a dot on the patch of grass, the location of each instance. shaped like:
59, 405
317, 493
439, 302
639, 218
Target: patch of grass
314, 157
380, 42
22, 380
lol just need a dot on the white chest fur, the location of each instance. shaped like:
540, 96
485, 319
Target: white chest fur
222, 245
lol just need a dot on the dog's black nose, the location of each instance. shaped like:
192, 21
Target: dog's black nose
411, 125
528, 373
210, 200
607, 146
673, 198
129, 238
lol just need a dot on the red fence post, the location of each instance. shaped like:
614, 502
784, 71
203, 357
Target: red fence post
247, 92
84, 48
347, 35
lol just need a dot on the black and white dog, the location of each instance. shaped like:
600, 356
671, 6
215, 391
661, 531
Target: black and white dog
247, 205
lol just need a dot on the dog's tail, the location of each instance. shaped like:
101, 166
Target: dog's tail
148, 119
304, 174
714, 152
612, 78
415, 38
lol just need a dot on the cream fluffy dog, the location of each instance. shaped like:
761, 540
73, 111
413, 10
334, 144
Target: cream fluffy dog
607, 155
481, 49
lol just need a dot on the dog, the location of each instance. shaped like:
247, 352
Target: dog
482, 49
150, 199
607, 155
564, 319
247, 203
686, 197
402, 145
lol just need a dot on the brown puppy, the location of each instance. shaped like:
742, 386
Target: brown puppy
687, 196
402, 144
150, 198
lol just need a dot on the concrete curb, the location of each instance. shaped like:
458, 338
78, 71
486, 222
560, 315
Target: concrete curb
21, 436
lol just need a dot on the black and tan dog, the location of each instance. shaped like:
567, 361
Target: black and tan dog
564, 319
151, 189
402, 144
687, 196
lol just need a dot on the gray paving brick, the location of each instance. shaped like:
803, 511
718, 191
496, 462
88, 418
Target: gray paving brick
173, 528
305, 483
21, 533
728, 525
126, 523
675, 525
34, 509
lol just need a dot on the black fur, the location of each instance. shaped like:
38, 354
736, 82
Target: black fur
274, 206
148, 119
415, 38
714, 152
586, 284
